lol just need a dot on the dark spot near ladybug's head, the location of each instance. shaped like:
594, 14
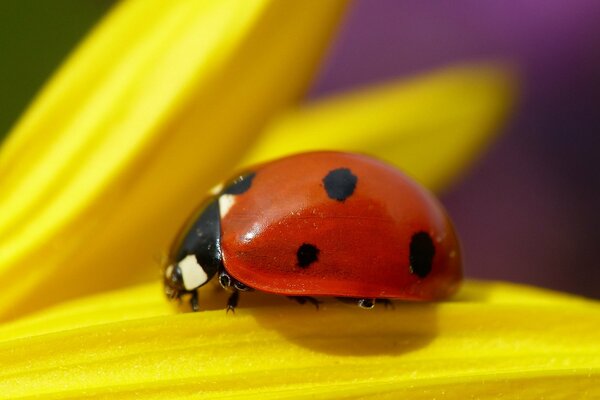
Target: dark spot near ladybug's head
307, 254
340, 184
421, 255
240, 184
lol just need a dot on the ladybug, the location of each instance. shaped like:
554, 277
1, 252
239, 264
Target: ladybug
319, 224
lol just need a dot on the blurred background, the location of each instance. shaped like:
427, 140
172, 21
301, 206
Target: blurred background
528, 211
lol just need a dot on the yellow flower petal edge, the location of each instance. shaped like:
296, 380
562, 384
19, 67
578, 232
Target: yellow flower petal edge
432, 126
156, 106
495, 341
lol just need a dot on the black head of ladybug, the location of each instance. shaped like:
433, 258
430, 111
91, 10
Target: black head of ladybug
198, 258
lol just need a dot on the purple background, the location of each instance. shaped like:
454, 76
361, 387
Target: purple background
528, 211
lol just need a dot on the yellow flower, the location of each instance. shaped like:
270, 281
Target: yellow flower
494, 341
161, 102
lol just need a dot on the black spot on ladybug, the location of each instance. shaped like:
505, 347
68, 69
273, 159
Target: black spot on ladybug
307, 254
421, 255
240, 184
340, 184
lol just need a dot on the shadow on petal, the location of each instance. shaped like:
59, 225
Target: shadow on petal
346, 330
335, 328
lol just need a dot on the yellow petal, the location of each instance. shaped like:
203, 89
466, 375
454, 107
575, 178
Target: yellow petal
431, 126
523, 343
157, 105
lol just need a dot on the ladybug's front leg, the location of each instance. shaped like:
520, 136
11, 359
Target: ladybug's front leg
229, 283
233, 300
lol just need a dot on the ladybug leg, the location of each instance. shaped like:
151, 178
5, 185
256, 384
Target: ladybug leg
233, 301
362, 303
228, 282
224, 279
387, 303
240, 286
305, 299
194, 301
366, 303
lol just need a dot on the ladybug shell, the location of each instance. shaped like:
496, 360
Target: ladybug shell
339, 224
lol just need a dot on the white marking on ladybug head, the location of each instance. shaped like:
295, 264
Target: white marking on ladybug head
192, 273
226, 201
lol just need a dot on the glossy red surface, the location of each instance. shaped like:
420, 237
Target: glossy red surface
363, 241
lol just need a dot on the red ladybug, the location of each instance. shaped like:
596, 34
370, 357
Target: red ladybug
320, 224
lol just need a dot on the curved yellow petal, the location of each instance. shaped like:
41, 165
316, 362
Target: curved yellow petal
157, 105
495, 341
431, 126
